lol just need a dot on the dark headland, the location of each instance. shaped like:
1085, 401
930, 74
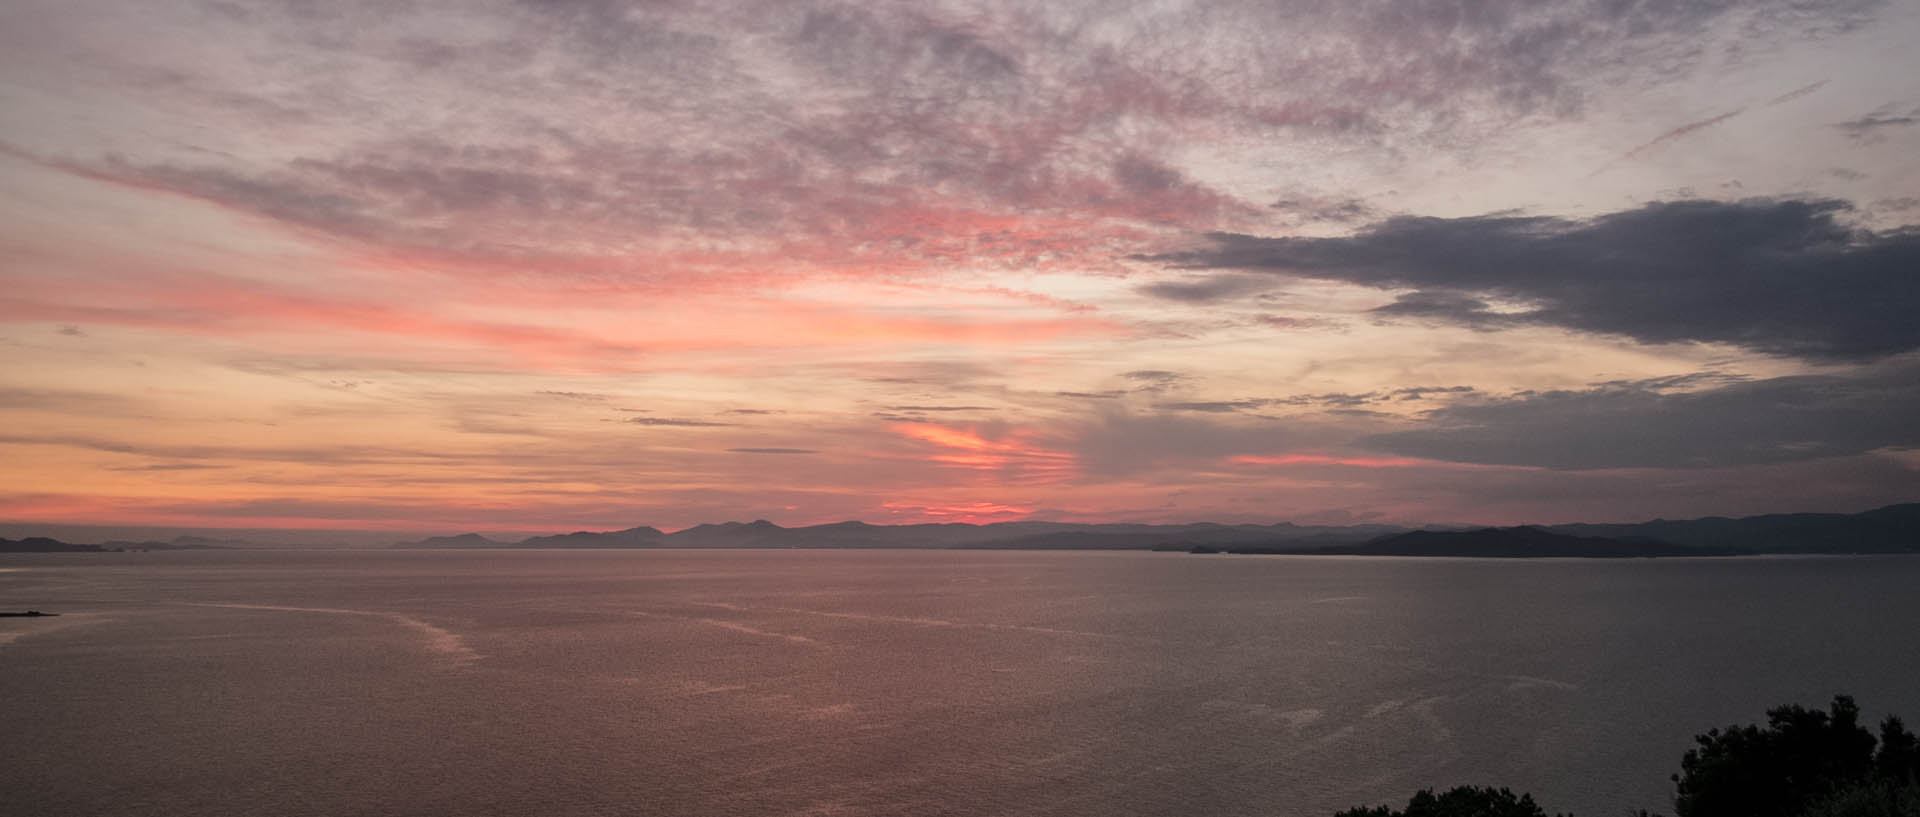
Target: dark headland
1520, 542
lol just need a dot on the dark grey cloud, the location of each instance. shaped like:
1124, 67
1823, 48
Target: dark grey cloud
1154, 380
481, 422
1332, 399
1213, 406
1681, 132
1347, 402
754, 412
1090, 395
1483, 495
1691, 381
1797, 93
1421, 392
939, 408
1451, 307
1291, 323
1784, 277
668, 421
1210, 288
1659, 424
1870, 123
66, 401
1341, 210
1338, 402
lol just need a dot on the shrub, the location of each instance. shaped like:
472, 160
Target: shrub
1461, 801
1801, 758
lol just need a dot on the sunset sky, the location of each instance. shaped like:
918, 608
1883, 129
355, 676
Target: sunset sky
584, 264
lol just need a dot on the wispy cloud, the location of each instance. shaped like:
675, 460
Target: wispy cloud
570, 263
1680, 133
1870, 124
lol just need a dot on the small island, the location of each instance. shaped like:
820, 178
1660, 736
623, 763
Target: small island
43, 544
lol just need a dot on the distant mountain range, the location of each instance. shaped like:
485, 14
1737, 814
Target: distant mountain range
42, 544
1893, 529
1011, 535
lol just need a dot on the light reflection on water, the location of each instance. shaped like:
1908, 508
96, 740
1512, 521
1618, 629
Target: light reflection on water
891, 682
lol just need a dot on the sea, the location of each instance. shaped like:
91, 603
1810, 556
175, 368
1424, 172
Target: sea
859, 683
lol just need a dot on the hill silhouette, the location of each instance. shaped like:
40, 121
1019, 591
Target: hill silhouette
42, 544
1893, 529
761, 533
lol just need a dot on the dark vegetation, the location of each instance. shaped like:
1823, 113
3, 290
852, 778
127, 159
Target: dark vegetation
1461, 801
1802, 763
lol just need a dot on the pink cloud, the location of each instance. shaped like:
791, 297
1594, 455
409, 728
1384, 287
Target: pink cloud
974, 513
1011, 457
600, 330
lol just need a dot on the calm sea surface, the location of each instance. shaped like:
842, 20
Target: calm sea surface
905, 682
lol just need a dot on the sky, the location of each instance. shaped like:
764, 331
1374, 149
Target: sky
585, 264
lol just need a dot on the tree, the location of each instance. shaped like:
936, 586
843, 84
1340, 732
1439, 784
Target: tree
1802, 758
1803, 763
1461, 801
1899, 757
1873, 798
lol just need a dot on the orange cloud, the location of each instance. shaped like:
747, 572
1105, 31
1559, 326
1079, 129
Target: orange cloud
598, 333
974, 513
1012, 455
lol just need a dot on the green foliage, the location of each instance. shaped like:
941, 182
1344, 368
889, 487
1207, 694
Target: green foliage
1461, 801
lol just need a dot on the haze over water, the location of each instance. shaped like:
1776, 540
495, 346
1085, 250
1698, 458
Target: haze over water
905, 682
